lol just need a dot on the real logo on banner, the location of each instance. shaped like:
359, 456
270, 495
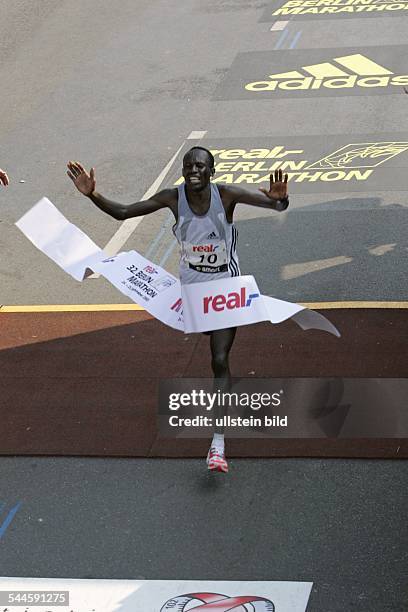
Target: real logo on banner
223, 303
214, 602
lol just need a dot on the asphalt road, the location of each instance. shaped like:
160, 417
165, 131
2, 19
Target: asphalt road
121, 85
335, 523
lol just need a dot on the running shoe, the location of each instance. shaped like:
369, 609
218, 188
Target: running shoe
216, 460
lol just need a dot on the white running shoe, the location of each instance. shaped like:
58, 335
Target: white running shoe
216, 460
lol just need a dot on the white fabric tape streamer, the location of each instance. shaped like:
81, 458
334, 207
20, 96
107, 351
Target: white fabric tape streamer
198, 307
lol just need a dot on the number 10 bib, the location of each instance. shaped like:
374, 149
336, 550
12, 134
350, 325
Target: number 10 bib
207, 257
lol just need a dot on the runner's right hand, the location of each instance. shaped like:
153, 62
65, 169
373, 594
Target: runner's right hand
84, 182
4, 179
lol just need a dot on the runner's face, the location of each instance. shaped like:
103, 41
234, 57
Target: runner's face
197, 170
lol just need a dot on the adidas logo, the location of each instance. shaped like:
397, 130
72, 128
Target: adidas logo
212, 235
342, 72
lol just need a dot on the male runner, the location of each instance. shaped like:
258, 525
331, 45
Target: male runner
204, 217
4, 179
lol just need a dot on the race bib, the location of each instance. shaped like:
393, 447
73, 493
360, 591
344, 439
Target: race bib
207, 257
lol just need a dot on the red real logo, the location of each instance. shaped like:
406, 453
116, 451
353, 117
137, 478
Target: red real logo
214, 602
232, 300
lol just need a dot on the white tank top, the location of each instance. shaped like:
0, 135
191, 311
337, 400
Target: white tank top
208, 242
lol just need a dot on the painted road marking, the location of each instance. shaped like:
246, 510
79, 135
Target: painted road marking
129, 225
279, 25
168, 252
350, 71
151, 251
335, 163
70, 308
295, 39
11, 514
322, 9
123, 307
195, 135
153, 245
280, 40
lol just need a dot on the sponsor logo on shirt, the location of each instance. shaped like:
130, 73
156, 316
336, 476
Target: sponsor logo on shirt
205, 248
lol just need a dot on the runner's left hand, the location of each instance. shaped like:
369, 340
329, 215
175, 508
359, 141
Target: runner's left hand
4, 179
278, 189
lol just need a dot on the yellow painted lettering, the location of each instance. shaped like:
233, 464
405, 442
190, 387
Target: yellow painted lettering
333, 176
261, 86
316, 84
243, 167
275, 152
216, 152
400, 80
307, 176
287, 11
288, 152
256, 154
232, 154
224, 178
263, 179
296, 83
349, 81
292, 165
259, 166
246, 178
224, 166
374, 81
358, 175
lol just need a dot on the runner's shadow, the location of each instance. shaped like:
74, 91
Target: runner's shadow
326, 253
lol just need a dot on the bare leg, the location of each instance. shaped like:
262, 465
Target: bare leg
221, 342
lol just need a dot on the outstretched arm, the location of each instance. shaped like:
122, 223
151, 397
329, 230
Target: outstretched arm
4, 179
276, 197
86, 184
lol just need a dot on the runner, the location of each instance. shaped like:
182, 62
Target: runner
204, 228
4, 179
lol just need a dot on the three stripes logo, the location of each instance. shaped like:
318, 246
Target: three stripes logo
214, 602
345, 72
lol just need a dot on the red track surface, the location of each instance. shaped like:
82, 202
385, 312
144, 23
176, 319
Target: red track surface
85, 383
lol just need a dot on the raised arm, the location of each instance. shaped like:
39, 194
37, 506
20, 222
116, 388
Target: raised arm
86, 184
276, 197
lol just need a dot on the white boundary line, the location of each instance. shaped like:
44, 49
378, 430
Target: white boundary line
122, 235
129, 225
279, 25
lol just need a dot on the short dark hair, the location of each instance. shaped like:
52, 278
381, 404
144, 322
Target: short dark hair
210, 155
